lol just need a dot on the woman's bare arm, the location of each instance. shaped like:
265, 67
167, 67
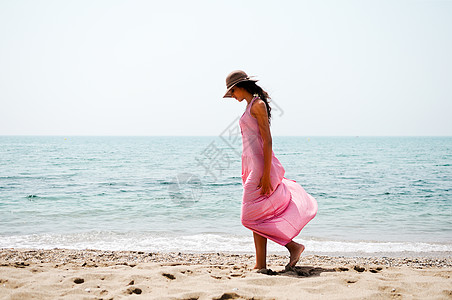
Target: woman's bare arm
259, 111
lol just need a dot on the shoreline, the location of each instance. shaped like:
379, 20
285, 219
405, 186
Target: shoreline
99, 274
62, 255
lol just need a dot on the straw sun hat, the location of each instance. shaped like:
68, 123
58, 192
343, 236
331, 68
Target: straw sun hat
233, 78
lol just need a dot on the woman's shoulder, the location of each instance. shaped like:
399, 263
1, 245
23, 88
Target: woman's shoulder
258, 107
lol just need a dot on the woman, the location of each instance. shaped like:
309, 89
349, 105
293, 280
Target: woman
273, 206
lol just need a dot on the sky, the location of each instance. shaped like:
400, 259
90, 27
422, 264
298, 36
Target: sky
153, 68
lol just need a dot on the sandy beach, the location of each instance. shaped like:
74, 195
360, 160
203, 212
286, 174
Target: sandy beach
95, 274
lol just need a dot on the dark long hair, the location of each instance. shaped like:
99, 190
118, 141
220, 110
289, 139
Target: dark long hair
252, 88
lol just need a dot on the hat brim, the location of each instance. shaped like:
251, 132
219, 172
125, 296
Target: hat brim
228, 93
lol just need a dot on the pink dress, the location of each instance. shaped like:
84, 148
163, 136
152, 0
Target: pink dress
281, 215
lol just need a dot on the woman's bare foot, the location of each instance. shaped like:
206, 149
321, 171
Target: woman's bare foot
259, 267
295, 251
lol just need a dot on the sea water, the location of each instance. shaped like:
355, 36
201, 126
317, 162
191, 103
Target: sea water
387, 195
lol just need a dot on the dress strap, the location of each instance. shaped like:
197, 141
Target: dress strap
252, 101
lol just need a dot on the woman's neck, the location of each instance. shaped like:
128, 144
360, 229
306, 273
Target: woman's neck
248, 98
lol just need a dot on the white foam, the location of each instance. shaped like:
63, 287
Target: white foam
212, 242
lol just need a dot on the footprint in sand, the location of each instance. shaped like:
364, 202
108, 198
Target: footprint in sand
133, 290
79, 280
375, 270
359, 268
169, 276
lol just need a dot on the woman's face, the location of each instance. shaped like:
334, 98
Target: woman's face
238, 93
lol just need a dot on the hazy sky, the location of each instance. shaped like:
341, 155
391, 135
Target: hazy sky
159, 67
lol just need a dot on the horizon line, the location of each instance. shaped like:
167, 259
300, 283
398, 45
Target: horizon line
107, 135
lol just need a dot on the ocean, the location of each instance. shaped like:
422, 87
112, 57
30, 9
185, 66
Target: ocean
376, 195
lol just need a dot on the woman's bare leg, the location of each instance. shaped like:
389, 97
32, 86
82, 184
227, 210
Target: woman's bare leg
295, 251
260, 243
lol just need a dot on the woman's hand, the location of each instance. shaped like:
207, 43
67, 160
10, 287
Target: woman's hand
266, 185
